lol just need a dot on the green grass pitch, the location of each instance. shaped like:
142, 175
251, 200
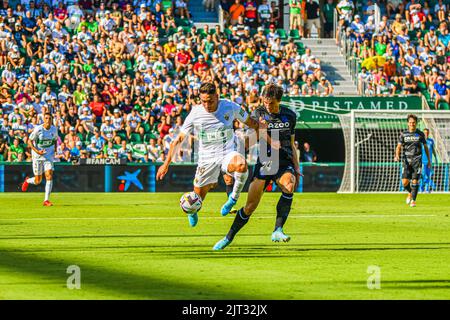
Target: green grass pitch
140, 246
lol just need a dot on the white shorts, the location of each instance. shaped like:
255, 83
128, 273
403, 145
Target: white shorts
40, 166
208, 173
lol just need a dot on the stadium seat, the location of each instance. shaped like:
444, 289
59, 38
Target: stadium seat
282, 34
166, 4
135, 138
146, 127
149, 136
122, 135
201, 32
444, 105
294, 34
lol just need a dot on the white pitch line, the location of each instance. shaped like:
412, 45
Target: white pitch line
255, 217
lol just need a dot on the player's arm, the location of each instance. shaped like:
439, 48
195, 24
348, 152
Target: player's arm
398, 150
295, 160
261, 131
427, 151
174, 146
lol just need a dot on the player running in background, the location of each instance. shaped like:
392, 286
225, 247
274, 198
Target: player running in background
411, 142
212, 122
42, 142
283, 168
426, 183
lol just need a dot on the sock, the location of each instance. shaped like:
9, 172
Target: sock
239, 181
283, 209
239, 221
415, 189
31, 180
48, 188
229, 189
408, 187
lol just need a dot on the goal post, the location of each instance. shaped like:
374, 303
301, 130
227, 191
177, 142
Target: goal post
371, 137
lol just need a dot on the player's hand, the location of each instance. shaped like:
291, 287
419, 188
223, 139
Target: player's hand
298, 174
396, 159
41, 152
162, 172
262, 124
429, 165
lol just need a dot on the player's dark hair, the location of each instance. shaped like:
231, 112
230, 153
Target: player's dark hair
413, 116
208, 88
426, 129
273, 91
48, 114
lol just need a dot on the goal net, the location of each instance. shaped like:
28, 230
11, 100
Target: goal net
371, 137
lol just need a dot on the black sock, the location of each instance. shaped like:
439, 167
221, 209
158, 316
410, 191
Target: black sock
239, 221
408, 187
283, 209
229, 189
415, 189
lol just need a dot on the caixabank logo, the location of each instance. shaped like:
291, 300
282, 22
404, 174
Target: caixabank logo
128, 179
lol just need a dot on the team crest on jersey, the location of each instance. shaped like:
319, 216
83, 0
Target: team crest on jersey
226, 117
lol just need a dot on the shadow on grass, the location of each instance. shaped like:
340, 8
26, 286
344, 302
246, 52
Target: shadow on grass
101, 279
413, 285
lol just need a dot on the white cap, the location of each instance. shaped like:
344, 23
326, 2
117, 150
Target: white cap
215, 55
116, 110
357, 16
84, 102
79, 143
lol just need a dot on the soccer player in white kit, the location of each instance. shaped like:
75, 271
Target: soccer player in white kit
42, 142
213, 122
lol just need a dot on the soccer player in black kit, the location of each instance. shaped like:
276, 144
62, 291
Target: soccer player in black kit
411, 141
280, 165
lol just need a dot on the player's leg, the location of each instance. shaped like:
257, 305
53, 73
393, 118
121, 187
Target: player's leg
206, 179
287, 184
255, 192
406, 177
415, 178
48, 182
38, 170
228, 179
235, 165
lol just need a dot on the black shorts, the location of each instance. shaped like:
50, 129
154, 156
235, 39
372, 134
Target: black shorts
412, 170
259, 172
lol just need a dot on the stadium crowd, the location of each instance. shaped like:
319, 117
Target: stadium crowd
120, 77
408, 52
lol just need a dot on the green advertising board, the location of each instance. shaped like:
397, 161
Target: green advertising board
319, 112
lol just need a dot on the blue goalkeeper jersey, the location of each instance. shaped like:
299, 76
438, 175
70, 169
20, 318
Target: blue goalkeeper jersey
430, 144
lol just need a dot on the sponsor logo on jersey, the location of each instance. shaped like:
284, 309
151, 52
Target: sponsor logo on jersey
413, 138
278, 125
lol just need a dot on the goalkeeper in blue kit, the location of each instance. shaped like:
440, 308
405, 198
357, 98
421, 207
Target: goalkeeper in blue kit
427, 184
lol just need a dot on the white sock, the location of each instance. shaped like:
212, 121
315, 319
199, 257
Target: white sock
239, 181
31, 180
48, 188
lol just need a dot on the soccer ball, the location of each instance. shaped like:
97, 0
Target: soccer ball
190, 202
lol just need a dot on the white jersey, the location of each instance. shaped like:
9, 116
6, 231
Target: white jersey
44, 140
214, 130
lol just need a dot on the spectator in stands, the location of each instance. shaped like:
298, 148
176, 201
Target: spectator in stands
296, 19
440, 92
264, 14
308, 155
236, 10
328, 18
313, 18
